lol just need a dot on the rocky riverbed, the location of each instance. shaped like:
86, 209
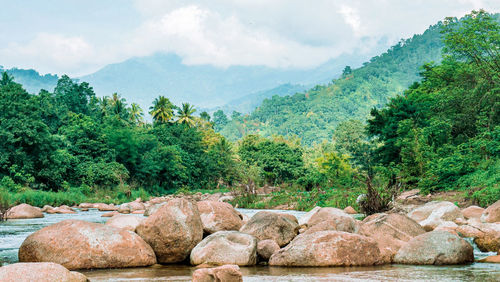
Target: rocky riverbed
187, 237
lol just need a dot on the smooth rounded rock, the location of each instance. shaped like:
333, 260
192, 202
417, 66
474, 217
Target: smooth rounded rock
390, 231
269, 225
218, 216
226, 247
173, 230
266, 248
24, 211
225, 273
342, 221
78, 244
40, 272
472, 212
434, 213
124, 221
328, 248
435, 248
305, 218
492, 213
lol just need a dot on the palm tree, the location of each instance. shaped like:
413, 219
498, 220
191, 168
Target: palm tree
136, 113
185, 115
162, 110
118, 104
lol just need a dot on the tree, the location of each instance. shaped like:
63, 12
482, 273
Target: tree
73, 96
205, 116
347, 71
162, 110
185, 115
220, 120
118, 105
136, 114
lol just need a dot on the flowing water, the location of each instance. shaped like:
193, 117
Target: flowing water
13, 233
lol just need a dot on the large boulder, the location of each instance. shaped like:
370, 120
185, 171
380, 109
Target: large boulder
269, 225
40, 272
305, 218
434, 213
226, 247
341, 220
492, 213
491, 259
173, 230
218, 216
225, 273
105, 207
125, 221
390, 231
78, 244
23, 211
328, 248
472, 212
266, 248
435, 248
86, 205
153, 208
489, 238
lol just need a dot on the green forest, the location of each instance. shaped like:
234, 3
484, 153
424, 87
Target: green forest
425, 115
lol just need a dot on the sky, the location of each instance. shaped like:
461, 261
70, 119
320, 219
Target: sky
79, 37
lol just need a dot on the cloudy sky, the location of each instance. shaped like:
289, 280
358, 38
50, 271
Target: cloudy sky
79, 37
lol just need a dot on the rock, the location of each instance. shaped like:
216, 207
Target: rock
153, 208
225, 273
434, 213
491, 259
289, 216
269, 225
460, 221
173, 230
23, 211
86, 205
124, 221
350, 210
110, 214
218, 216
489, 240
390, 231
435, 248
408, 194
468, 231
131, 206
328, 248
105, 207
226, 198
46, 208
64, 210
342, 221
305, 218
84, 209
492, 213
39, 271
78, 244
328, 225
266, 248
138, 212
448, 226
472, 212
226, 247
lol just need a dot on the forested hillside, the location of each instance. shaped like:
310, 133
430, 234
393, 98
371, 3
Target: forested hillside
32, 81
314, 114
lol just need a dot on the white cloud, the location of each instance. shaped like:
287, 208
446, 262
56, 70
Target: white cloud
278, 33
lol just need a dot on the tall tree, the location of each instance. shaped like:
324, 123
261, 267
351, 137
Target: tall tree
162, 110
185, 115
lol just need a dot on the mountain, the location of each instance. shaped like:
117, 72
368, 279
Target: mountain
142, 79
250, 102
31, 80
314, 114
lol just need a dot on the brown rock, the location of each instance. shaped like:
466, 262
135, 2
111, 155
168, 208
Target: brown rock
468, 231
105, 207
328, 248
491, 259
328, 225
173, 230
269, 225
124, 221
218, 216
343, 221
472, 212
350, 210
266, 248
305, 218
64, 210
489, 240
225, 273
448, 226
390, 231
153, 208
23, 211
492, 213
39, 271
434, 213
110, 214
226, 247
138, 212
86, 205
435, 248
78, 244
46, 208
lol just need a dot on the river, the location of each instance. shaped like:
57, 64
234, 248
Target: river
13, 233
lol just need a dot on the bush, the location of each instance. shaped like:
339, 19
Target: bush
487, 196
